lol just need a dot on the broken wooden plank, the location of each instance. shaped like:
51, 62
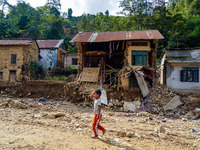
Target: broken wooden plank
111, 67
117, 45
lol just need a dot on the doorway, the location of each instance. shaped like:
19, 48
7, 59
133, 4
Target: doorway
133, 81
12, 75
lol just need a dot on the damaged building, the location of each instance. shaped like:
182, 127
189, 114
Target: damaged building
52, 53
15, 57
180, 69
120, 58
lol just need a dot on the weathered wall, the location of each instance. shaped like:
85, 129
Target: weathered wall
173, 76
5, 60
125, 82
25, 54
68, 60
136, 48
33, 52
60, 58
49, 58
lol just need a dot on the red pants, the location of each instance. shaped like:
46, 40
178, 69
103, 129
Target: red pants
96, 125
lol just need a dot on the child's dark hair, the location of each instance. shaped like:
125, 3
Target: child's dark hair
98, 92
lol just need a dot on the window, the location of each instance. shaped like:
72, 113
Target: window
139, 58
13, 58
74, 61
190, 74
1, 75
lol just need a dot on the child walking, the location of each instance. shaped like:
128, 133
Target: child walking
97, 113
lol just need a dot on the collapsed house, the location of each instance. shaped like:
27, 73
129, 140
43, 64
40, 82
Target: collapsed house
118, 58
15, 58
180, 68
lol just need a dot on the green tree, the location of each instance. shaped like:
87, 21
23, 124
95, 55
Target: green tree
8, 29
54, 3
138, 10
70, 13
21, 14
35, 70
3, 5
33, 32
107, 13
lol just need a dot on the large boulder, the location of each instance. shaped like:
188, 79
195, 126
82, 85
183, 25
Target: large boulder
129, 107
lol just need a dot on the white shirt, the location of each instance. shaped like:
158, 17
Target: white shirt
97, 103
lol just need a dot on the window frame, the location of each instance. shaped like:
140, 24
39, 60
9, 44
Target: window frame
11, 60
136, 55
184, 74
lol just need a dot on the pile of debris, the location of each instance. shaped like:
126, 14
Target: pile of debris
166, 102
116, 99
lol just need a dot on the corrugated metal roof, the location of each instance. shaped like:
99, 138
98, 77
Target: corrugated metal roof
117, 36
42, 44
16, 42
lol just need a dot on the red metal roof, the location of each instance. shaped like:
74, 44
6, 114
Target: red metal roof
16, 42
42, 44
117, 36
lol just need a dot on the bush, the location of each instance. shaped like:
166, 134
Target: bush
57, 78
72, 70
35, 70
60, 72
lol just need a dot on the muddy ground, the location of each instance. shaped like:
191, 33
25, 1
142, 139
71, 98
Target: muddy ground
58, 125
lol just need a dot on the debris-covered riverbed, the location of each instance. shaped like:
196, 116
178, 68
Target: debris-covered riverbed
47, 124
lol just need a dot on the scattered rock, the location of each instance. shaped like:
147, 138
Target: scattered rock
37, 115
184, 119
111, 113
129, 106
42, 99
138, 135
56, 115
156, 139
162, 129
77, 125
129, 134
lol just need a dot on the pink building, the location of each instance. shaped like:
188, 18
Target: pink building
71, 59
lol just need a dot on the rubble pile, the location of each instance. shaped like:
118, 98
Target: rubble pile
166, 102
25, 104
14, 104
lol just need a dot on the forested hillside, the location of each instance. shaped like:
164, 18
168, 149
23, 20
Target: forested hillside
178, 21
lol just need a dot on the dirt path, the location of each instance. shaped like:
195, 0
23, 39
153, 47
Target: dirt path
34, 126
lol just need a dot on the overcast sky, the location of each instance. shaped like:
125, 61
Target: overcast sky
80, 6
